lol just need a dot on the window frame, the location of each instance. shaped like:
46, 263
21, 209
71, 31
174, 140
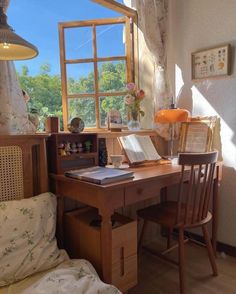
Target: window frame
118, 7
128, 58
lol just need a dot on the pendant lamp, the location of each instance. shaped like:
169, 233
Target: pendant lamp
12, 46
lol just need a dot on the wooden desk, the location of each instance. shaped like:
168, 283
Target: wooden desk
145, 185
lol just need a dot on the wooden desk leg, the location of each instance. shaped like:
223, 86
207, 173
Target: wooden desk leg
163, 194
106, 245
215, 210
163, 198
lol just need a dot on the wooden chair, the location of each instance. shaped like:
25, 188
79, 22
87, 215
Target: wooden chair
190, 210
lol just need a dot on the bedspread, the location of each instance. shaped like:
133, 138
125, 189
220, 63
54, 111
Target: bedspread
73, 276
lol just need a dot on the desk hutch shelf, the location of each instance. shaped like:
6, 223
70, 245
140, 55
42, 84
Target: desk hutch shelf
68, 151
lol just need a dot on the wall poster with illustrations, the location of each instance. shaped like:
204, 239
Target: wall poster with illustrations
212, 62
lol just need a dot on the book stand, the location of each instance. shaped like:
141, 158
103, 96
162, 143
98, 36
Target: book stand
146, 154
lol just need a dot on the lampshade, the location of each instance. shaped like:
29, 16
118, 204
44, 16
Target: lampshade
12, 46
172, 115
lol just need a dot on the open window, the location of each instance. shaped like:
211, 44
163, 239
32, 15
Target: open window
94, 80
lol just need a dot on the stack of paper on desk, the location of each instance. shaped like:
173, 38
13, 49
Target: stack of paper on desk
99, 175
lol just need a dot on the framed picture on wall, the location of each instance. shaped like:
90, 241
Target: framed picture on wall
213, 62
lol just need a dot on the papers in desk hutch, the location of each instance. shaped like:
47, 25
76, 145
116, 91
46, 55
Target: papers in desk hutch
99, 175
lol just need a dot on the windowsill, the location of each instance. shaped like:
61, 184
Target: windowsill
108, 134
112, 134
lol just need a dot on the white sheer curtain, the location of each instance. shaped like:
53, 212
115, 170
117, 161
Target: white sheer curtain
13, 113
153, 25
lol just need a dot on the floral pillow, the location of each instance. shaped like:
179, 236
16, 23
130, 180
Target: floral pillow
27, 237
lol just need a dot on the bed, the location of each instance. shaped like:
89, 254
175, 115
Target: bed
30, 261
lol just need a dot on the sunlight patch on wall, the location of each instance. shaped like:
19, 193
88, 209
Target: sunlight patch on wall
202, 107
179, 82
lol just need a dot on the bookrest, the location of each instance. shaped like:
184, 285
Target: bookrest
151, 163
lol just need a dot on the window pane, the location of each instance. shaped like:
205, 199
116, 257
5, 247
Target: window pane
80, 78
112, 102
78, 43
106, 33
112, 76
83, 108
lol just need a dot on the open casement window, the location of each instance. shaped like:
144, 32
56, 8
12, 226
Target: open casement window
94, 69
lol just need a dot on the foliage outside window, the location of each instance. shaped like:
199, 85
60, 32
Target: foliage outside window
94, 80
44, 91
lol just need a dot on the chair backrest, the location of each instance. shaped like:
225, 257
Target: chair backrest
23, 166
195, 187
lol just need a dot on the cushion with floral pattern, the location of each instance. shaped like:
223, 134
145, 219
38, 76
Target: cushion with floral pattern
27, 237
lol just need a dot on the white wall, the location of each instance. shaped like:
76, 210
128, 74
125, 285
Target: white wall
195, 25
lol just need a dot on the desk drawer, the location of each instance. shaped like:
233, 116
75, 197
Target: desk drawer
142, 191
124, 239
124, 273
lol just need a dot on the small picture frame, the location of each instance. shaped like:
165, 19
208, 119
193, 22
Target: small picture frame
196, 136
114, 120
213, 62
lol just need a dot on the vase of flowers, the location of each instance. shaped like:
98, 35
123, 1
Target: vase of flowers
132, 101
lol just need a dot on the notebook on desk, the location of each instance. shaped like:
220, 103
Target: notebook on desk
99, 175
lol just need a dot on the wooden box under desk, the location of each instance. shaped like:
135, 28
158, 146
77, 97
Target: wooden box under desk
83, 240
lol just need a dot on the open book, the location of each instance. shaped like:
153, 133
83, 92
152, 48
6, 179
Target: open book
99, 175
139, 149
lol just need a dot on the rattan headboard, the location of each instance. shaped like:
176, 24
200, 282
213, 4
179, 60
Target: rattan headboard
23, 166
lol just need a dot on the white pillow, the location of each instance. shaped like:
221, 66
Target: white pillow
27, 237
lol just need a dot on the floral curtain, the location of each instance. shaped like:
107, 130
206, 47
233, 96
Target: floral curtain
13, 112
4, 4
153, 23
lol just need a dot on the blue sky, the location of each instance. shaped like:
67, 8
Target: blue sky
37, 22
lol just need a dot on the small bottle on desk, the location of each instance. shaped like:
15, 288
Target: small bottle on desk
102, 151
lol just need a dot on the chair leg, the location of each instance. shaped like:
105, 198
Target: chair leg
210, 250
140, 243
181, 262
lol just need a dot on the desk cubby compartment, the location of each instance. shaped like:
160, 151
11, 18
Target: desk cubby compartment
83, 240
68, 151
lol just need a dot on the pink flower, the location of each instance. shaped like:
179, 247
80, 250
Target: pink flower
129, 99
133, 99
131, 86
140, 94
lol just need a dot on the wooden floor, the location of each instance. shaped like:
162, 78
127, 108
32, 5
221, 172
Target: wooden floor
159, 277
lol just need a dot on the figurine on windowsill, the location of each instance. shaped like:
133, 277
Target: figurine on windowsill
80, 147
73, 148
87, 146
61, 150
67, 148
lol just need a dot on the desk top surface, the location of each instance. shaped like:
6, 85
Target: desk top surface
141, 174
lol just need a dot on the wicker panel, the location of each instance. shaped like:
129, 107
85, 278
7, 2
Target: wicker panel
11, 173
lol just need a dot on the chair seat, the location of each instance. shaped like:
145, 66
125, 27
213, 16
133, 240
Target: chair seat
165, 215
